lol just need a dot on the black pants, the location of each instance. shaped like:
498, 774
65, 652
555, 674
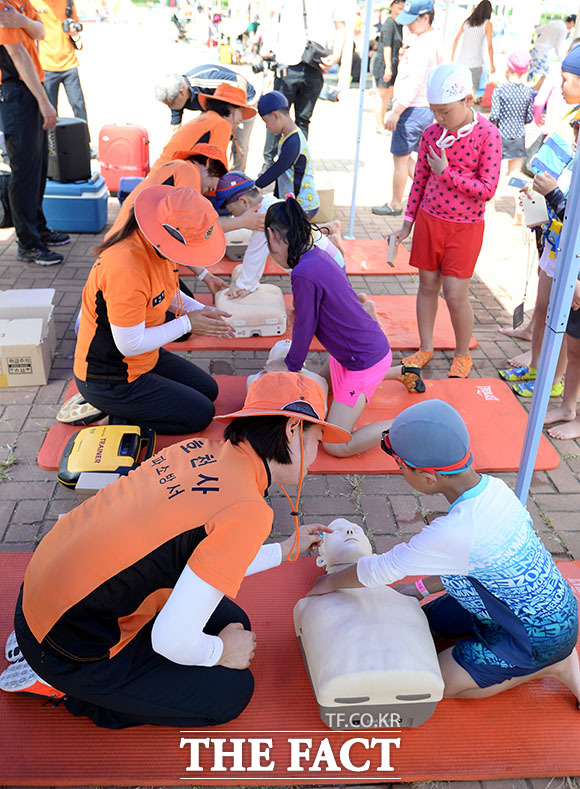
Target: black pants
27, 148
72, 85
301, 86
138, 686
176, 397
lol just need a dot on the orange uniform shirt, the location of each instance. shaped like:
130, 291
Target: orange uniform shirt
208, 127
107, 567
56, 50
17, 35
128, 284
178, 172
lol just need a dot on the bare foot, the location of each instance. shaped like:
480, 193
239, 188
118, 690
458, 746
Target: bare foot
560, 414
521, 359
567, 671
521, 333
566, 431
368, 305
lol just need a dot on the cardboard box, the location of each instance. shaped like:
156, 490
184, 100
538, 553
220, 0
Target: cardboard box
326, 211
24, 352
33, 303
91, 482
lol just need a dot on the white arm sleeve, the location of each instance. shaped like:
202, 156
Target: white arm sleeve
268, 556
187, 303
178, 630
254, 261
133, 340
441, 548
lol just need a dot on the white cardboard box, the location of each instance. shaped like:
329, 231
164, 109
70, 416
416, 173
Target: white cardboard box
91, 482
24, 352
32, 303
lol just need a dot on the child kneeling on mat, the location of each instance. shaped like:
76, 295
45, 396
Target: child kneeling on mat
457, 172
326, 306
514, 614
239, 194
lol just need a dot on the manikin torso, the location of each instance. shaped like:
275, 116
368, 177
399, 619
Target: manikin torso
370, 644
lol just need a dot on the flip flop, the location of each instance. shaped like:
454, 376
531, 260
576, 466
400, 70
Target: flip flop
526, 389
76, 411
12, 651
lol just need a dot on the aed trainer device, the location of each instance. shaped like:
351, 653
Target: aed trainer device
105, 448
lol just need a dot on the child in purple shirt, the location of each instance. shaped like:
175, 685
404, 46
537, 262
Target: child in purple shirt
327, 307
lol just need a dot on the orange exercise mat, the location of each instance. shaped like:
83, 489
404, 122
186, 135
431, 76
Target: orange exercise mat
364, 257
396, 316
530, 731
495, 419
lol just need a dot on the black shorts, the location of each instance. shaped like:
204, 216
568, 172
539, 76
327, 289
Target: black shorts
573, 327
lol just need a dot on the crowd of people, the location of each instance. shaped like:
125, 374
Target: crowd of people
151, 634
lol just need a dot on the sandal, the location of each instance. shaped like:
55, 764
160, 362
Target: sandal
418, 359
526, 389
12, 651
460, 367
411, 378
76, 411
512, 374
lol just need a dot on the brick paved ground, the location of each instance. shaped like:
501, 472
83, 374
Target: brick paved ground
31, 499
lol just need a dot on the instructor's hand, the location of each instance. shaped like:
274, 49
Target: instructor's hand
210, 322
48, 115
239, 646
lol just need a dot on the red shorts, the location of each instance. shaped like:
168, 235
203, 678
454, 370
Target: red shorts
449, 247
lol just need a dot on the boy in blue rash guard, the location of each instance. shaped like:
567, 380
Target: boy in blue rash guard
292, 169
514, 614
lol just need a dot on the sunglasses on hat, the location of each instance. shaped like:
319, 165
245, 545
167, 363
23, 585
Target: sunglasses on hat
452, 468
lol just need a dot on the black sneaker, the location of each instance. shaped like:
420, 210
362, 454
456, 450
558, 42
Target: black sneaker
41, 255
54, 239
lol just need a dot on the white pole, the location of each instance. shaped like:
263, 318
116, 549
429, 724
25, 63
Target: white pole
364, 66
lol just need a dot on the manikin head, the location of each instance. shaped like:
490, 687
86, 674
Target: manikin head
344, 545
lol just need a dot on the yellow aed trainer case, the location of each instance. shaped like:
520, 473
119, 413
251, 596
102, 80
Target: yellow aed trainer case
104, 448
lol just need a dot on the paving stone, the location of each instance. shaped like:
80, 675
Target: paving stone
572, 542
378, 515
407, 513
564, 480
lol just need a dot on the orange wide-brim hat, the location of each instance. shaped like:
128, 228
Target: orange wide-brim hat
181, 224
292, 395
230, 94
204, 149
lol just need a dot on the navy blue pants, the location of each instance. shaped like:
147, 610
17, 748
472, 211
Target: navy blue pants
27, 148
176, 397
138, 686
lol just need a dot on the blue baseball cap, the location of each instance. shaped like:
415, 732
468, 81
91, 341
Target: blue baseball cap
571, 63
431, 436
412, 9
231, 186
270, 102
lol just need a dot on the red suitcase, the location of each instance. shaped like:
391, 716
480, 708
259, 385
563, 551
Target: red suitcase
487, 94
123, 151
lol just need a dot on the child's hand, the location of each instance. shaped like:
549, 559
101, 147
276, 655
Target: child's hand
437, 163
237, 293
544, 183
252, 220
410, 590
402, 234
576, 296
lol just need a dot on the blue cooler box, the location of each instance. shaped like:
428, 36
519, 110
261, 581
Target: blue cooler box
79, 207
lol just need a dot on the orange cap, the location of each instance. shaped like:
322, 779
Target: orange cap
230, 94
289, 394
181, 224
204, 149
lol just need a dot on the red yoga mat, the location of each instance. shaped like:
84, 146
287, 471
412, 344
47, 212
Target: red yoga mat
396, 315
495, 420
364, 257
530, 731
